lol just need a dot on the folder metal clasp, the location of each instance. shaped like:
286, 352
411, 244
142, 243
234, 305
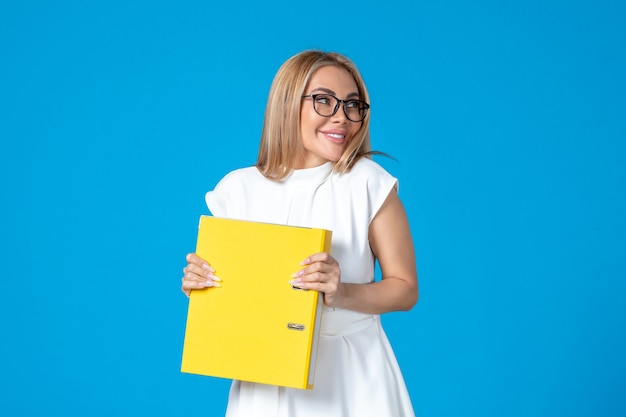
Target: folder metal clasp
295, 326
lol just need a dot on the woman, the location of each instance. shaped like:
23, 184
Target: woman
314, 170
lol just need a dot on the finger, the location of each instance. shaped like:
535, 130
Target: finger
196, 277
317, 268
192, 283
313, 265
322, 287
199, 270
196, 272
192, 258
195, 282
312, 281
318, 257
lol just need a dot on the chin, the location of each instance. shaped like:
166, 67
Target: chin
334, 158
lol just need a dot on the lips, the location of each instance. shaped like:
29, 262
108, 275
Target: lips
335, 135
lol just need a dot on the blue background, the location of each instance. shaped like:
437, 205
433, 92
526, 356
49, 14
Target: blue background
508, 123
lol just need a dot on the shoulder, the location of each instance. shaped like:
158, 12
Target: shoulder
369, 184
232, 189
366, 167
370, 174
239, 175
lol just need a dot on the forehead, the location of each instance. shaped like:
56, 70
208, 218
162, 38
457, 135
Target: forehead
333, 78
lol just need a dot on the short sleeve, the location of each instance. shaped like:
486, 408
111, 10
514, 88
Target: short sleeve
383, 184
377, 183
216, 202
230, 195
220, 199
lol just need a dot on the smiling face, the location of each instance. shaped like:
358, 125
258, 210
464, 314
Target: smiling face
325, 138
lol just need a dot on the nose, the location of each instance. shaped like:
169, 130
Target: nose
340, 114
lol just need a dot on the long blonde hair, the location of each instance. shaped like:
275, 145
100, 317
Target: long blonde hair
281, 141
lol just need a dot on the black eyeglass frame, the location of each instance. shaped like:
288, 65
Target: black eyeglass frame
363, 106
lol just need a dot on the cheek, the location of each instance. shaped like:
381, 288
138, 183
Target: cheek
312, 126
306, 121
354, 132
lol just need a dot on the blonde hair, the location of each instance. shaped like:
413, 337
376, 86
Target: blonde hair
280, 139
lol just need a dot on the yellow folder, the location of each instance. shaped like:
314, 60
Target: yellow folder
256, 327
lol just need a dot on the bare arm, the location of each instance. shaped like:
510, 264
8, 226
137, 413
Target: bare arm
390, 240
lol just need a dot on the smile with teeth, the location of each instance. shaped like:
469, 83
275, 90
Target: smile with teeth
335, 137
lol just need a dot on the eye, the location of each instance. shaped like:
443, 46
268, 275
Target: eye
322, 99
353, 104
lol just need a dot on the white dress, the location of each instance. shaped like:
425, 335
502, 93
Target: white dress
357, 374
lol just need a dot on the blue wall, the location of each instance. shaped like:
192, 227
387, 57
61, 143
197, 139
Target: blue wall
508, 123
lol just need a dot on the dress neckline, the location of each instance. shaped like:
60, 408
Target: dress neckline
310, 176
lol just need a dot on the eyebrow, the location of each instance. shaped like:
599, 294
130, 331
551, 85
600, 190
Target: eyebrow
331, 92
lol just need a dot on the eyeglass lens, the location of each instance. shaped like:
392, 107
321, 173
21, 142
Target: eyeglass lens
327, 105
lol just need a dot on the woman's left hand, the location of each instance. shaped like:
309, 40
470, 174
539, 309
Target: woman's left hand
322, 273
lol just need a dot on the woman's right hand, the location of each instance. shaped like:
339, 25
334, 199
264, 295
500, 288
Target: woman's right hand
198, 274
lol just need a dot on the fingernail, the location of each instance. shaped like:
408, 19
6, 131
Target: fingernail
295, 282
306, 261
208, 267
297, 274
213, 277
207, 284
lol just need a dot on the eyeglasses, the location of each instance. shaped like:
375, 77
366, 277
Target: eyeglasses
327, 105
